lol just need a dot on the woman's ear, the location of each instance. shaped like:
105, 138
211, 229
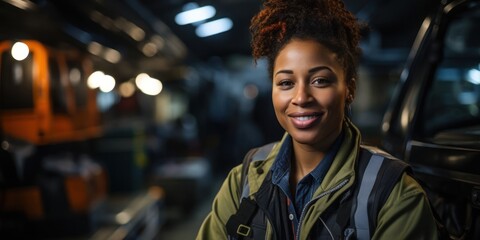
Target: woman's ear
350, 91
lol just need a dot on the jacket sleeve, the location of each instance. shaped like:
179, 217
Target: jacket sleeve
406, 213
224, 205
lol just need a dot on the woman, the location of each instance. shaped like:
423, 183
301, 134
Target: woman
312, 184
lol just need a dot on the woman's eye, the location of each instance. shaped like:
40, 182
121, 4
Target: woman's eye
321, 82
285, 84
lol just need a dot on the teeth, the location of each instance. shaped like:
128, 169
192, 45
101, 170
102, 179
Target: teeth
305, 118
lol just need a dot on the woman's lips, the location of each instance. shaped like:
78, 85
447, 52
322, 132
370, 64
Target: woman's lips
304, 120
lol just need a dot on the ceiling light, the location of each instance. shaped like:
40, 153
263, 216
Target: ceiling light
107, 84
214, 27
148, 85
112, 55
195, 15
22, 4
95, 79
126, 89
20, 51
473, 76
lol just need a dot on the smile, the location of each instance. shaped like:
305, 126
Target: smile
305, 118
303, 121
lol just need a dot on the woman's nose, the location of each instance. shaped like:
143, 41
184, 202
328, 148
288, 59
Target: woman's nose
302, 95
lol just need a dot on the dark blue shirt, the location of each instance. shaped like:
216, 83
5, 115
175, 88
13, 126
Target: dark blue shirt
307, 186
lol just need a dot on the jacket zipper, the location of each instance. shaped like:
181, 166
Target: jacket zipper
331, 190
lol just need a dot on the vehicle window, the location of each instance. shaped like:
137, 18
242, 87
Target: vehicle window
453, 99
58, 94
79, 83
16, 82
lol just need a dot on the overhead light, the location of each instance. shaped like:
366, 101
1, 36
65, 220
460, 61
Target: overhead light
95, 79
214, 27
95, 48
112, 55
148, 85
109, 54
22, 4
98, 79
149, 49
473, 76
75, 76
107, 84
126, 89
20, 51
195, 15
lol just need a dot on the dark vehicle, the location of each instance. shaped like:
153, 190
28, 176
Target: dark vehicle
433, 121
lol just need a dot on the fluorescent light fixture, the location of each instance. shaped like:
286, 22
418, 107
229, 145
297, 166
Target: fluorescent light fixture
473, 76
195, 15
214, 27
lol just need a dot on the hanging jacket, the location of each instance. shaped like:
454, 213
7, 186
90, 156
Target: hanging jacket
406, 213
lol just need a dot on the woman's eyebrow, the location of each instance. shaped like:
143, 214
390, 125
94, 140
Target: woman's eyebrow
284, 71
315, 69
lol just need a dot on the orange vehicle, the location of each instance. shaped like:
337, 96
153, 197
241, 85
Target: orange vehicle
44, 98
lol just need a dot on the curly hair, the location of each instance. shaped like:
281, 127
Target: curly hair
326, 21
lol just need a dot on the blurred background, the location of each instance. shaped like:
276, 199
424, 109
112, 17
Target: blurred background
119, 119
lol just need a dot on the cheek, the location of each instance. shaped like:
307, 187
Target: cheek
332, 99
280, 105
280, 100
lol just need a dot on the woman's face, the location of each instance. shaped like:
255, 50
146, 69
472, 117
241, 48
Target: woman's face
309, 92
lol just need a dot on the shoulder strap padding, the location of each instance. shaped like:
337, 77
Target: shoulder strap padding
254, 154
238, 225
378, 173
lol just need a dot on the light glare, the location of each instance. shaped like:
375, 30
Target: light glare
148, 85
214, 27
126, 89
195, 15
107, 84
95, 79
474, 76
20, 51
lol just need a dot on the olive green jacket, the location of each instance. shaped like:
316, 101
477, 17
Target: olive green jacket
405, 215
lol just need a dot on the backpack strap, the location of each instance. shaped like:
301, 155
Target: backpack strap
238, 225
245, 164
253, 155
377, 174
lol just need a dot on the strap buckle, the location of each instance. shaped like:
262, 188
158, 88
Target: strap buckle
243, 230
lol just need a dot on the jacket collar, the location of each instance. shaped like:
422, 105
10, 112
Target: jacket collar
343, 165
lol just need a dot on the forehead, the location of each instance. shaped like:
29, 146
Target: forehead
298, 53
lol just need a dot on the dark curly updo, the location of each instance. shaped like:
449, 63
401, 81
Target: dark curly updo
326, 21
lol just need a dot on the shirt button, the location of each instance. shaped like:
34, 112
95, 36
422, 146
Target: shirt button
290, 216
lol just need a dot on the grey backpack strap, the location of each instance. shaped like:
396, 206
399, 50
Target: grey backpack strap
254, 154
377, 178
361, 215
238, 225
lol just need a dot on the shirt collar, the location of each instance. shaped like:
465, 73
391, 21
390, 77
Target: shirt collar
281, 166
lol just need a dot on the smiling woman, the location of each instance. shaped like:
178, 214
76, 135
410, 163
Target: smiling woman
309, 93
319, 181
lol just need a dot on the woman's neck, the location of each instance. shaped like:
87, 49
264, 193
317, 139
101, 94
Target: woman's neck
304, 161
306, 157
